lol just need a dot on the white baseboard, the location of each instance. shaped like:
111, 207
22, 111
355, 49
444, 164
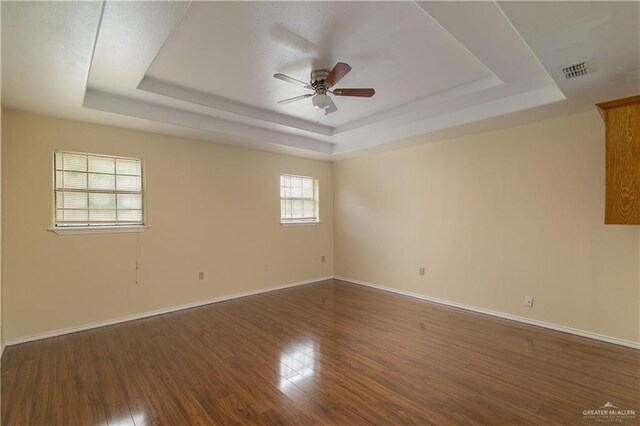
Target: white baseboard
155, 312
595, 336
588, 334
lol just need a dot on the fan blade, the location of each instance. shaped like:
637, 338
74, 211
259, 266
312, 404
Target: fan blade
363, 93
292, 80
331, 108
340, 70
297, 98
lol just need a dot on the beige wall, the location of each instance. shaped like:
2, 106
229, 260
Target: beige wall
494, 217
211, 208
1, 226
1, 220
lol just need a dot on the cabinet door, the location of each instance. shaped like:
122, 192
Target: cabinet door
623, 165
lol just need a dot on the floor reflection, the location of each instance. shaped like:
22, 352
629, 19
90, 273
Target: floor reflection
136, 418
298, 361
139, 417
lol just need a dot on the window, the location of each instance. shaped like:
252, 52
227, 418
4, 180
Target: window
93, 190
298, 199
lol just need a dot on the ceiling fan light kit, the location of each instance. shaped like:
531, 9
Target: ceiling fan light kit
321, 83
321, 100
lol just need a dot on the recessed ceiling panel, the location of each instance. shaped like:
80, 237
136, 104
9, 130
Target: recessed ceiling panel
232, 49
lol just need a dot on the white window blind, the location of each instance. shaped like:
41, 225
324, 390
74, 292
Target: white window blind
298, 199
97, 190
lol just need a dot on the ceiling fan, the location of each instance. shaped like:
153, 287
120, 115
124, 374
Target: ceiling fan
321, 83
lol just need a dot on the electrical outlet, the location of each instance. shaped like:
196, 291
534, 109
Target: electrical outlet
267, 266
201, 276
421, 271
323, 259
528, 301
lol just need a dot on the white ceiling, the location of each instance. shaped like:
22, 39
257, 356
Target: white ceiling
204, 69
296, 38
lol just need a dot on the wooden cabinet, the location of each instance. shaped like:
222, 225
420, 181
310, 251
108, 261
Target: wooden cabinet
622, 148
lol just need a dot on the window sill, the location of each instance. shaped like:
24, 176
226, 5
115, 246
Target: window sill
77, 230
299, 223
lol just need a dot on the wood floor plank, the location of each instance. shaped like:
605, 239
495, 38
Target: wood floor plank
20, 382
325, 353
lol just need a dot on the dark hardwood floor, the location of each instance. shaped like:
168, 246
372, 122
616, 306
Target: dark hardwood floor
327, 353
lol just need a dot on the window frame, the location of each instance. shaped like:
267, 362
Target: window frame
97, 228
316, 200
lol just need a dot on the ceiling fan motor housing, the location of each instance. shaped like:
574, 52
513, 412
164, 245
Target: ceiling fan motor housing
318, 78
320, 99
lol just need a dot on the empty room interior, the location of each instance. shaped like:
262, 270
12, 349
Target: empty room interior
334, 213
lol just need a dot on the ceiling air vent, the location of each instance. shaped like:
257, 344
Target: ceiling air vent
576, 70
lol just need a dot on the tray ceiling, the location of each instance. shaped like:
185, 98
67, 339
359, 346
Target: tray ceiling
247, 42
204, 69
